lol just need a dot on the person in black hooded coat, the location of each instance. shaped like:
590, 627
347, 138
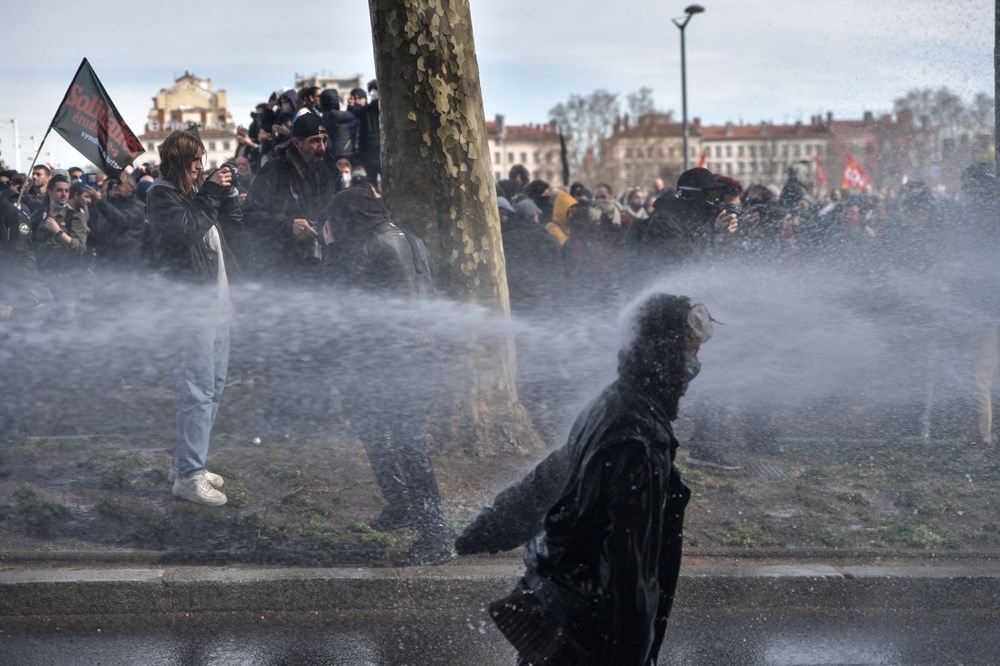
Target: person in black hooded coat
601, 574
338, 125
389, 376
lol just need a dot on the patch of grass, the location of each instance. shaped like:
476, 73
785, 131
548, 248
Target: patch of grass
303, 502
854, 497
371, 537
280, 472
39, 515
746, 535
236, 494
990, 534
914, 535
824, 536
152, 532
321, 532
115, 468
261, 536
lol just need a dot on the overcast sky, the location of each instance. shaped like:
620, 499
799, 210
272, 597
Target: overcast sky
778, 60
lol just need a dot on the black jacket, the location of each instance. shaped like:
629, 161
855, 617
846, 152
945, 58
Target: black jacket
533, 264
286, 188
678, 231
178, 225
373, 253
118, 229
601, 575
17, 262
369, 133
340, 143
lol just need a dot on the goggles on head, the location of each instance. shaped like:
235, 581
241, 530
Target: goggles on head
700, 322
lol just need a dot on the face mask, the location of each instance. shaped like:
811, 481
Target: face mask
691, 369
345, 178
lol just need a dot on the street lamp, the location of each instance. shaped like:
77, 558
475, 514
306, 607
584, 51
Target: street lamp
690, 10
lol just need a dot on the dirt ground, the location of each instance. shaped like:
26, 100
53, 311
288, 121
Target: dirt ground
308, 499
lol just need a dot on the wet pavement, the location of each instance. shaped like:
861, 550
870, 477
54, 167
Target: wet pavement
302, 639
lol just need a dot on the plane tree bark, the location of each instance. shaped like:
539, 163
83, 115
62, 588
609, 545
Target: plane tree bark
438, 183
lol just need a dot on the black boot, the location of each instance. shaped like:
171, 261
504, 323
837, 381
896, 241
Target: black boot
398, 512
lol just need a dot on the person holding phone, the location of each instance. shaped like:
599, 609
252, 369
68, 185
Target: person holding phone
187, 214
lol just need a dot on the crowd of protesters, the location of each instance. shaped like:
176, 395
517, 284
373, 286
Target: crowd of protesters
581, 245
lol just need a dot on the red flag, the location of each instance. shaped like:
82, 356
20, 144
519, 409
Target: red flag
820, 176
89, 122
854, 176
704, 160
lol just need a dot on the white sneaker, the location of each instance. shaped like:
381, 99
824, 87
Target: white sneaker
212, 478
197, 489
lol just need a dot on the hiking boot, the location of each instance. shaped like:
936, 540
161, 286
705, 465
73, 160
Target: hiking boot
393, 517
197, 489
211, 477
435, 547
713, 459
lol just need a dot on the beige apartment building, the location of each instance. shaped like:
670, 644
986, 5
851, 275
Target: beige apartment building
534, 146
191, 100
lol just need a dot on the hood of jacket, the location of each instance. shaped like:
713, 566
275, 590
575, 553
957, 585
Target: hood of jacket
329, 100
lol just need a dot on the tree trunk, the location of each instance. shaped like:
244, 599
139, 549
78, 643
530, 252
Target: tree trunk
438, 183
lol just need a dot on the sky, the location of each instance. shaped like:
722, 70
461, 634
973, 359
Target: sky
765, 60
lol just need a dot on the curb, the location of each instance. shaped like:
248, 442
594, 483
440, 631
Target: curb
776, 590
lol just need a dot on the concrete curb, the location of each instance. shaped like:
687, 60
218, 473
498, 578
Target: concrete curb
774, 590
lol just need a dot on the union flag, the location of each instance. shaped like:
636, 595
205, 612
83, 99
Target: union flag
854, 176
820, 176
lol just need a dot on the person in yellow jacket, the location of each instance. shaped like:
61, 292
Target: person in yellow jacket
558, 228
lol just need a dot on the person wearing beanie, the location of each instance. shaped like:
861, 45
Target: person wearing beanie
287, 206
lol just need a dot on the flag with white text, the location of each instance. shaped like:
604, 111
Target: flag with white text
89, 121
854, 176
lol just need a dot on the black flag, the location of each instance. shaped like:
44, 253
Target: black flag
564, 158
89, 121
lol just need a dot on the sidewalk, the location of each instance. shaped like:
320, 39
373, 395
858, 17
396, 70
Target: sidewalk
786, 589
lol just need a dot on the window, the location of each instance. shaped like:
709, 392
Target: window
152, 147
524, 158
211, 147
649, 152
538, 157
496, 157
729, 168
225, 146
718, 151
628, 153
213, 164
673, 153
510, 157
784, 150
729, 151
809, 150
548, 157
742, 168
740, 152
796, 150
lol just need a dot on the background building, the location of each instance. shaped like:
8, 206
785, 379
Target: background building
325, 81
534, 146
191, 100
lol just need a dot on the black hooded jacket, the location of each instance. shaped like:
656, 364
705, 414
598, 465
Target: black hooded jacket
17, 262
601, 575
120, 229
370, 252
338, 127
679, 231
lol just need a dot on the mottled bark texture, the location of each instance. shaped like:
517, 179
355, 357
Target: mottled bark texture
438, 183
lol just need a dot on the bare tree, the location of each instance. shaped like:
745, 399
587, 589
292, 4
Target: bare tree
439, 184
641, 102
586, 120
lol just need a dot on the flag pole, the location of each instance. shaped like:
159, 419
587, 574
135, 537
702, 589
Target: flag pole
52, 122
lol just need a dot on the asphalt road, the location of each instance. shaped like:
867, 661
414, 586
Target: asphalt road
300, 639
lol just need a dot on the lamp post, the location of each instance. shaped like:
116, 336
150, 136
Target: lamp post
690, 11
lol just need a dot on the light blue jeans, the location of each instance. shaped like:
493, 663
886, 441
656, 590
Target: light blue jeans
200, 367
